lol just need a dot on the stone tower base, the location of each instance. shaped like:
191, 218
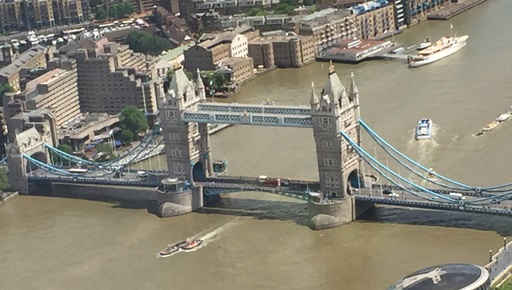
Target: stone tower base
178, 203
329, 215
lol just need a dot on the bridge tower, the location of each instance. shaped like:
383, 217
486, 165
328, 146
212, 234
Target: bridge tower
186, 144
31, 143
336, 109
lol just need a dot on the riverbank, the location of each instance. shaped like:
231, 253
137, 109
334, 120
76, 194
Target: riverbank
6, 196
500, 264
454, 9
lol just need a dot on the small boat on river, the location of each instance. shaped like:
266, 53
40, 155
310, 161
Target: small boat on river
503, 117
171, 249
424, 129
191, 244
490, 126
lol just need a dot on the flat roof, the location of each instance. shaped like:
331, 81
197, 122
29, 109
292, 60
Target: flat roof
362, 46
444, 277
18, 63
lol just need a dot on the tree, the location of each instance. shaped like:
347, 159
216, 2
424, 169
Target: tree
219, 79
4, 88
256, 12
4, 181
127, 136
112, 12
140, 41
57, 159
101, 14
133, 120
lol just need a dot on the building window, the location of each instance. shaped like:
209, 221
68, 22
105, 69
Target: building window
329, 162
325, 121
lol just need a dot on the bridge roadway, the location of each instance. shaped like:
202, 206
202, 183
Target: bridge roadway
407, 199
130, 175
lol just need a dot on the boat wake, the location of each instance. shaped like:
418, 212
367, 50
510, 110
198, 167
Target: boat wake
206, 238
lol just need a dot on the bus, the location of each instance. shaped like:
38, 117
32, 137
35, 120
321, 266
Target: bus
78, 170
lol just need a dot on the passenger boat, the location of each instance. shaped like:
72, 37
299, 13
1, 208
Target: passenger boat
424, 129
503, 117
172, 249
440, 49
191, 244
491, 126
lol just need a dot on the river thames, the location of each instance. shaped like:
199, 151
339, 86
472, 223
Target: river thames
260, 241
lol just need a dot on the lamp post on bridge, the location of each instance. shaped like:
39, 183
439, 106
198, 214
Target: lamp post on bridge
212, 91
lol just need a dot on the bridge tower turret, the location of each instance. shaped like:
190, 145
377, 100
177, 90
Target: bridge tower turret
335, 110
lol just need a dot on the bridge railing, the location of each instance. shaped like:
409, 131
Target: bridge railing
94, 181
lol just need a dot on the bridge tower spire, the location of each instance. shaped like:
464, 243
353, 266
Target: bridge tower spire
338, 163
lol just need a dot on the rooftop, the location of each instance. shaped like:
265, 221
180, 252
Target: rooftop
18, 63
444, 277
353, 46
174, 53
80, 126
44, 79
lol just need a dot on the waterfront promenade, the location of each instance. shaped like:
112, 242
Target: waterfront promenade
500, 264
454, 9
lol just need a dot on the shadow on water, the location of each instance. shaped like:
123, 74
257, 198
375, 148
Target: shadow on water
260, 209
410, 216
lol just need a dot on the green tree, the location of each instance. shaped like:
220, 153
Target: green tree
112, 12
57, 159
133, 120
4, 181
219, 79
101, 14
284, 8
4, 88
308, 2
127, 136
256, 12
140, 41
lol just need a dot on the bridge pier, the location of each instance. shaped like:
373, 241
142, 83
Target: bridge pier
332, 214
336, 212
178, 203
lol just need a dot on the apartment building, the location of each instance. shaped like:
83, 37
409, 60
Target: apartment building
238, 69
416, 11
143, 6
329, 26
111, 76
227, 7
33, 57
215, 47
282, 49
33, 14
54, 92
375, 22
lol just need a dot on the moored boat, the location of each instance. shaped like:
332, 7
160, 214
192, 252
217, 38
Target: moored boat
440, 49
171, 249
424, 44
503, 117
424, 129
491, 126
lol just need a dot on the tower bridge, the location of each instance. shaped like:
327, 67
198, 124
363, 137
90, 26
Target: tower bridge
341, 193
